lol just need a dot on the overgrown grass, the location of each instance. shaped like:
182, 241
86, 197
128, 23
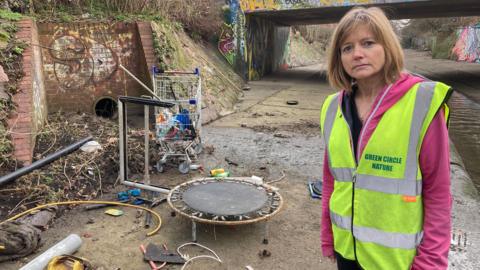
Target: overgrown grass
198, 17
10, 59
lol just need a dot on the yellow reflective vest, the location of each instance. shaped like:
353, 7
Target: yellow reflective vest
376, 206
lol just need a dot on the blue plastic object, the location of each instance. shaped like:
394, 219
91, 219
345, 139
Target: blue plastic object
184, 119
125, 195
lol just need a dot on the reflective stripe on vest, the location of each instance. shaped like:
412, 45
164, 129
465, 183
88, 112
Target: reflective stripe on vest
388, 239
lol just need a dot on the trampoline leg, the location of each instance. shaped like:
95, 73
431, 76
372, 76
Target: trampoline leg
194, 231
265, 236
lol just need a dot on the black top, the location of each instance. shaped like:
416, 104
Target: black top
351, 116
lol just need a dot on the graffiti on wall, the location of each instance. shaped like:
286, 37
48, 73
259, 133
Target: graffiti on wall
467, 47
240, 47
84, 56
250, 5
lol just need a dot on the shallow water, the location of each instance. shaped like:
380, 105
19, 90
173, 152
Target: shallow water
465, 133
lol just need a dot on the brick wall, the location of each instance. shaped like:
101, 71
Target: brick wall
28, 117
146, 41
81, 63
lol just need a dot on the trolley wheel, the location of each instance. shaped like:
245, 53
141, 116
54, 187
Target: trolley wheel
198, 148
159, 166
184, 167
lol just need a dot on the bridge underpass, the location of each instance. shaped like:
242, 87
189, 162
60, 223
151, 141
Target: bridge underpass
394, 9
261, 30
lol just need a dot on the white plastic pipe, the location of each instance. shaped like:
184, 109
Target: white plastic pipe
65, 247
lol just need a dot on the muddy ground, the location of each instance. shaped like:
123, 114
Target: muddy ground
265, 137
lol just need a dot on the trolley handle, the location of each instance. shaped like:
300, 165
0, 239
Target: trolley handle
146, 101
156, 70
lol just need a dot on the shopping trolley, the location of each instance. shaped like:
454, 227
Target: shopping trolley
178, 128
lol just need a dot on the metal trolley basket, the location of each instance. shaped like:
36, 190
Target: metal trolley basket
178, 129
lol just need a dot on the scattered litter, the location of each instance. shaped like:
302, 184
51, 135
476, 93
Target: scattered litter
281, 135
152, 263
87, 235
91, 146
264, 253
248, 267
315, 189
219, 172
195, 167
246, 88
65, 247
156, 254
230, 162
67, 261
292, 102
114, 212
278, 179
125, 195
40, 219
256, 180
18, 240
185, 256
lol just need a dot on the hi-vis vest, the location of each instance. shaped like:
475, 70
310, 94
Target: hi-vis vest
376, 206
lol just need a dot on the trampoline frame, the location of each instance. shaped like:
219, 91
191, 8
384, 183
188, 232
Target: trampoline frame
268, 188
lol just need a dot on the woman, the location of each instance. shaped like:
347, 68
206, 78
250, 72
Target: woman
386, 194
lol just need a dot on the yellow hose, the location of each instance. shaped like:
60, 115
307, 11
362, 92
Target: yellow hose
92, 202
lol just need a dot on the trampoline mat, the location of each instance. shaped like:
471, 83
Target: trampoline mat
225, 198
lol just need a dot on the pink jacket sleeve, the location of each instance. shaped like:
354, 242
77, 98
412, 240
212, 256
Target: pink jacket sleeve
437, 199
326, 230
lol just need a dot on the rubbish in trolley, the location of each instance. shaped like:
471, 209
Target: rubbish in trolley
178, 129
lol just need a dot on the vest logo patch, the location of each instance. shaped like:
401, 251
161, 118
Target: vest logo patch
383, 163
409, 198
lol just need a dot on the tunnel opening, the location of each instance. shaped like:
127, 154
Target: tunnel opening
106, 107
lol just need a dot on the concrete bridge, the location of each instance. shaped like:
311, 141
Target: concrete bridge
255, 36
330, 11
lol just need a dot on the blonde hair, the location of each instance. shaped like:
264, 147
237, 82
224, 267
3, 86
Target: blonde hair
378, 23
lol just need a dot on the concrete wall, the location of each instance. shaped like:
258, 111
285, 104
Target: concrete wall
81, 63
31, 109
246, 43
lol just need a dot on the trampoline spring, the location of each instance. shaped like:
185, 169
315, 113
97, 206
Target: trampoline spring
223, 218
215, 218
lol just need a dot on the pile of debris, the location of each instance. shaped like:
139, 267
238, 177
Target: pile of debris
81, 175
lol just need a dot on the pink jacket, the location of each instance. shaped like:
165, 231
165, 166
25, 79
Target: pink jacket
437, 200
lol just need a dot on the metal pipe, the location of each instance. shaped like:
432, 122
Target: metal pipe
140, 82
40, 163
146, 187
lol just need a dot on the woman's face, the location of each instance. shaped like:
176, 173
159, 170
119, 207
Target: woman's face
362, 56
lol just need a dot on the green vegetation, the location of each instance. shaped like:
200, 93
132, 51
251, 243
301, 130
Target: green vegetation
10, 52
201, 18
167, 47
10, 16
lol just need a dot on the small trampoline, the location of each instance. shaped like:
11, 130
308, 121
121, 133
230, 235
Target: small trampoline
226, 201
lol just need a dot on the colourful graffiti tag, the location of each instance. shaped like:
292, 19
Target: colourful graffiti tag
226, 43
467, 47
259, 4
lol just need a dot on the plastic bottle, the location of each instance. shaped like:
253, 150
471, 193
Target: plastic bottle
215, 172
68, 246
